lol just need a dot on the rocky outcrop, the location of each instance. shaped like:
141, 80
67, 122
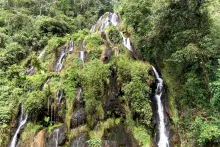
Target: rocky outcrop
116, 137
112, 103
80, 141
107, 53
39, 139
78, 118
57, 137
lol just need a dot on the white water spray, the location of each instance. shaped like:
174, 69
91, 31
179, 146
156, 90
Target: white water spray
163, 140
71, 46
57, 137
59, 65
126, 42
82, 55
22, 122
115, 19
59, 96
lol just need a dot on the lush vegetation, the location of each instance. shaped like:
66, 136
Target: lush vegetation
180, 38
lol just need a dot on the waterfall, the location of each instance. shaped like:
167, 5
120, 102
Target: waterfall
81, 55
57, 137
93, 28
163, 140
100, 19
60, 61
126, 42
111, 19
79, 94
59, 96
41, 54
47, 82
21, 123
58, 104
83, 45
71, 46
30, 71
82, 52
115, 19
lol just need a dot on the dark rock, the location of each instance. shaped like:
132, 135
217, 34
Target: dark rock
117, 137
112, 103
57, 137
80, 141
78, 118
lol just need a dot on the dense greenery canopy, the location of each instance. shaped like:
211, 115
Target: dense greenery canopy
181, 38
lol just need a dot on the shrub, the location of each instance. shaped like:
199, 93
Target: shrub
51, 26
114, 35
34, 104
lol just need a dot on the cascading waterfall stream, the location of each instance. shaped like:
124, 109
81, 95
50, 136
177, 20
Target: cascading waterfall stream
126, 42
79, 94
59, 96
163, 139
81, 54
22, 122
31, 70
60, 61
41, 54
112, 19
71, 46
57, 137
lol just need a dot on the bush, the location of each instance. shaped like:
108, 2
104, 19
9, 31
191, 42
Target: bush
93, 42
51, 26
114, 35
34, 104
94, 77
12, 54
207, 132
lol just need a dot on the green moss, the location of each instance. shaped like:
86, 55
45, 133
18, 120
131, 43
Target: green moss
172, 93
100, 128
52, 127
139, 132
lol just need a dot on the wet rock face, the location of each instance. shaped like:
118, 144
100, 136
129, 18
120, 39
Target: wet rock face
57, 137
112, 103
78, 118
117, 137
80, 141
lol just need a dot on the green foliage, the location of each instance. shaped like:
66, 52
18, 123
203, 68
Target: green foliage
13, 53
93, 46
135, 14
139, 132
207, 132
215, 89
17, 22
93, 42
114, 35
93, 79
34, 104
100, 128
94, 143
53, 26
71, 79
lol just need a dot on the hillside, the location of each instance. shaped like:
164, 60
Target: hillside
109, 73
